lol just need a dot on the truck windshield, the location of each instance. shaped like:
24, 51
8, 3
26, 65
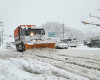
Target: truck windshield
34, 32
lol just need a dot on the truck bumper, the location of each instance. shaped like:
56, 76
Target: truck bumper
42, 45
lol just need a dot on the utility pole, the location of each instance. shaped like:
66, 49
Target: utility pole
2, 35
2, 32
0, 39
63, 30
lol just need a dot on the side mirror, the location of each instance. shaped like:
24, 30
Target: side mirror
43, 33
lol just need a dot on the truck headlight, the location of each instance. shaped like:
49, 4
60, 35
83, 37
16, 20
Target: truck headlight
32, 34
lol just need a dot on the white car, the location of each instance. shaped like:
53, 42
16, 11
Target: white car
8, 45
61, 45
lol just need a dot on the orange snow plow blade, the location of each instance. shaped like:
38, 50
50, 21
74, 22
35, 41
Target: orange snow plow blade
42, 45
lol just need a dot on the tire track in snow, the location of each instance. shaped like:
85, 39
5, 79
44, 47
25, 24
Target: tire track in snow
63, 64
54, 59
58, 66
70, 62
80, 57
85, 60
75, 63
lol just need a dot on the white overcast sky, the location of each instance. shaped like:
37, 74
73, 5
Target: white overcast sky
37, 12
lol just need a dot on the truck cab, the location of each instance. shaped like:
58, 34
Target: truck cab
26, 34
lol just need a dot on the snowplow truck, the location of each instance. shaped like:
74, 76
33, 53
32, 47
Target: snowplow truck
30, 36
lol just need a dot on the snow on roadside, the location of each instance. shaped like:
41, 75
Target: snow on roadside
3, 47
30, 69
7, 47
6, 40
81, 62
82, 47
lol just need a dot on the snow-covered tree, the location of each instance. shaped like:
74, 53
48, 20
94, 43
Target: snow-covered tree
58, 29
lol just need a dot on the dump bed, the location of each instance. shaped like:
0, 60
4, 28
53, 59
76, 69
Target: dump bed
16, 31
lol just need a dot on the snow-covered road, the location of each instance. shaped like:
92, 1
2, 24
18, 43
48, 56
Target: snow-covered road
81, 63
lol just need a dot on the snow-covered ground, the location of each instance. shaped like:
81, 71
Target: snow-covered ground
81, 63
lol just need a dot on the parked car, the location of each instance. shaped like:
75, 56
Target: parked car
8, 45
72, 42
61, 45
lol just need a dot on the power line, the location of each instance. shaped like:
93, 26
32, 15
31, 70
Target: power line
85, 16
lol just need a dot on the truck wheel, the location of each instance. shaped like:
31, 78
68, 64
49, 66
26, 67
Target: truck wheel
66, 48
17, 47
23, 47
56, 47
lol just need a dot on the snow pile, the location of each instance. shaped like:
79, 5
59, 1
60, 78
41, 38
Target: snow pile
29, 69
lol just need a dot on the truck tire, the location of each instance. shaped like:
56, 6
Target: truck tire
57, 47
22, 47
66, 48
17, 47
